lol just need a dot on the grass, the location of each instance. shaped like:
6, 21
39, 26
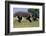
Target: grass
25, 23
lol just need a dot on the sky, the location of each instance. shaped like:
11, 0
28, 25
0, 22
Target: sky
20, 9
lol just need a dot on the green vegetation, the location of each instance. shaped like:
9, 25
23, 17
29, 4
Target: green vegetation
25, 23
34, 11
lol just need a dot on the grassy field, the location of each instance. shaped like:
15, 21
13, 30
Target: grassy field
25, 23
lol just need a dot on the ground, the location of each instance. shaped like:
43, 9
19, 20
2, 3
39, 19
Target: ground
25, 23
